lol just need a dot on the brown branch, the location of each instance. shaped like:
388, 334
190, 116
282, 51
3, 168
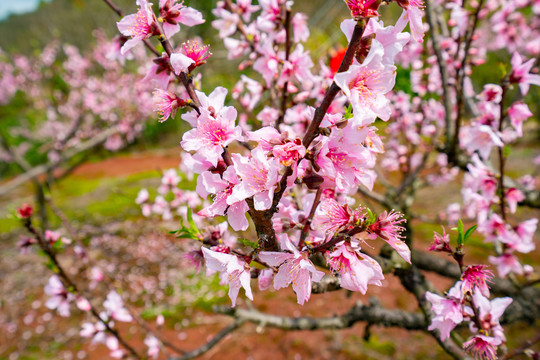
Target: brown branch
210, 344
431, 14
415, 282
522, 348
285, 94
331, 93
309, 219
460, 76
34, 172
373, 313
502, 158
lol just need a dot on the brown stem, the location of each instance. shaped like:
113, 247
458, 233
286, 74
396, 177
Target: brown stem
285, 94
309, 219
502, 158
313, 129
469, 35
186, 81
447, 101
240, 26
521, 349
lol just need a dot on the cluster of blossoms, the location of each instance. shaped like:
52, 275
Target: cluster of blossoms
81, 95
498, 114
468, 302
269, 178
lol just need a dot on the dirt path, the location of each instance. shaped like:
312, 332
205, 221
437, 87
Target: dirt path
124, 165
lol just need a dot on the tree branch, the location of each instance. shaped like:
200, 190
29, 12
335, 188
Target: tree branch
373, 313
68, 154
213, 342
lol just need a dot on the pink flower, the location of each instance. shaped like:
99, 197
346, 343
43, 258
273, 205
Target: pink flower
226, 22
165, 104
388, 228
492, 93
523, 239
489, 313
300, 28
83, 304
356, 270
96, 331
363, 8
294, 267
142, 196
474, 279
25, 243
172, 13
521, 73
115, 307
153, 346
234, 272
160, 71
213, 105
366, 84
482, 347
212, 134
518, 113
506, 263
138, 26
447, 310
25, 211
344, 159
441, 242
331, 216
266, 276
481, 138
59, 298
513, 197
413, 12
222, 187
259, 176
195, 258
193, 54
298, 66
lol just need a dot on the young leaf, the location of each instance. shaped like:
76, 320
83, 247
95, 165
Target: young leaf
469, 233
461, 230
249, 243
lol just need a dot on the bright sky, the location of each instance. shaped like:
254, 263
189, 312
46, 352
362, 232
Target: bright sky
8, 7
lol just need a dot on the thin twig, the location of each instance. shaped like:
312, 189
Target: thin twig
213, 342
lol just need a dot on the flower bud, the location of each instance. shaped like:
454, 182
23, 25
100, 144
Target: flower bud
25, 211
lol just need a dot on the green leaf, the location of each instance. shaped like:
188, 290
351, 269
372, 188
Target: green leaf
469, 233
461, 230
249, 243
192, 225
348, 112
371, 216
187, 233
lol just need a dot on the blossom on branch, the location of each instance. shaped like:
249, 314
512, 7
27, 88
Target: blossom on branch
139, 26
294, 267
234, 272
173, 12
356, 270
